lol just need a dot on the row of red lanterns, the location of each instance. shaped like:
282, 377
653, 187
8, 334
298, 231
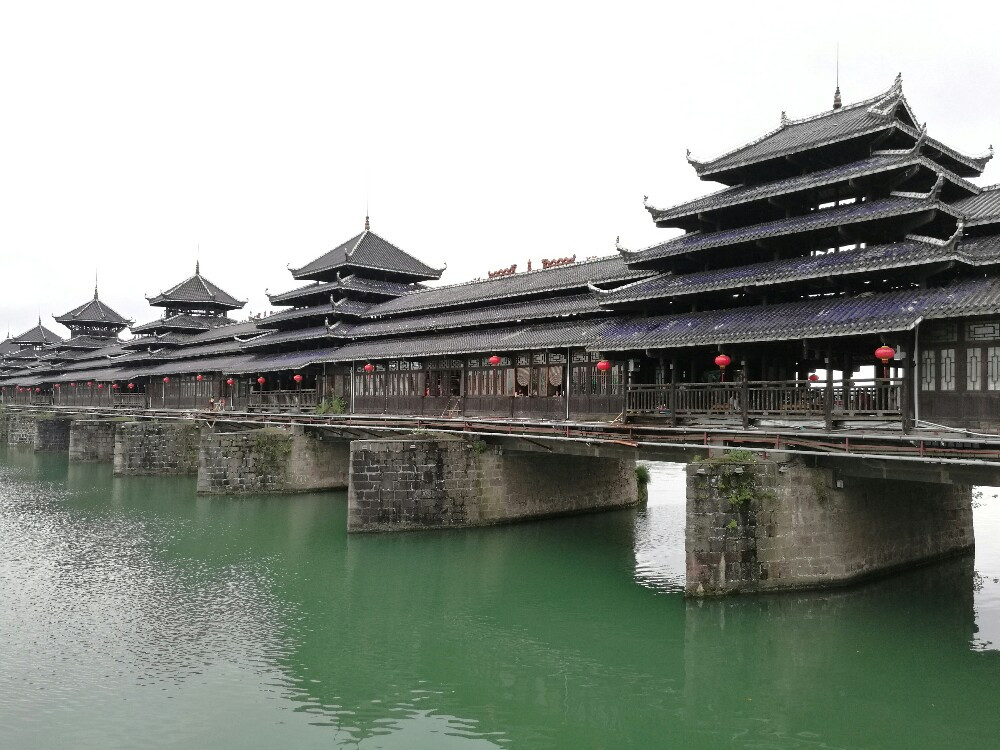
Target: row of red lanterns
603, 365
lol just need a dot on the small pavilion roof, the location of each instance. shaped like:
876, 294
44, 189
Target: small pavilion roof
8, 345
196, 291
368, 251
181, 322
884, 111
815, 318
852, 213
37, 335
93, 311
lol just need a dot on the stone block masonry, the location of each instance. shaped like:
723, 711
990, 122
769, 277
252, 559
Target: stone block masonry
20, 428
752, 527
52, 433
92, 440
271, 460
156, 448
449, 482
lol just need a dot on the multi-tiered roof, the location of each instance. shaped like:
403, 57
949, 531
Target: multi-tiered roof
849, 222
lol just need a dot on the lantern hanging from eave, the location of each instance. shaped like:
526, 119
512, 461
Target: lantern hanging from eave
603, 365
131, 386
261, 380
57, 386
166, 379
230, 382
114, 386
813, 377
494, 360
723, 361
297, 378
369, 368
100, 386
199, 377
90, 383
885, 353
38, 390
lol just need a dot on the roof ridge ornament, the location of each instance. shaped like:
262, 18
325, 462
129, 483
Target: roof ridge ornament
368, 226
692, 161
596, 289
786, 121
837, 101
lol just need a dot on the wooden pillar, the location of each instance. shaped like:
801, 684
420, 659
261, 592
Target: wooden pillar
909, 373
828, 397
673, 392
745, 395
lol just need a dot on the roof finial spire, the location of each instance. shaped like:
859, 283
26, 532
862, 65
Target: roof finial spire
837, 103
368, 224
197, 261
95, 283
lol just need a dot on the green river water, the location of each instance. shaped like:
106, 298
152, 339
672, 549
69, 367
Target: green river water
135, 614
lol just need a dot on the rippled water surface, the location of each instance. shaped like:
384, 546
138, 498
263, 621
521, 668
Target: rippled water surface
134, 614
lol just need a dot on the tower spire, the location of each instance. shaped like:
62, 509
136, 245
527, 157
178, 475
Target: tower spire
368, 225
837, 103
95, 283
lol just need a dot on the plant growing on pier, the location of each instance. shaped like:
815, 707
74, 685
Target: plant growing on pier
334, 405
737, 481
271, 450
642, 482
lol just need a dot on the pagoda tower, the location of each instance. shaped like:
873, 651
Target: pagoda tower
834, 235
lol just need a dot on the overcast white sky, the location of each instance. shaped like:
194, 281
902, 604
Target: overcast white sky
481, 134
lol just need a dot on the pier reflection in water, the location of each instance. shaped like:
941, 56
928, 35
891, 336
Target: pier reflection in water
137, 614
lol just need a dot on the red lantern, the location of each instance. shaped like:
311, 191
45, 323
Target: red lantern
369, 368
261, 380
723, 361
604, 365
166, 379
131, 386
72, 385
57, 386
813, 377
230, 382
885, 353
90, 383
199, 377
297, 378
494, 360
100, 386
38, 390
114, 386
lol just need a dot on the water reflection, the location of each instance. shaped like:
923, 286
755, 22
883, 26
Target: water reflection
138, 614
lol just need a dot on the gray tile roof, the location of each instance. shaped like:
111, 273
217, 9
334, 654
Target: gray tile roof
277, 338
868, 116
491, 340
981, 209
93, 311
816, 318
181, 323
553, 307
744, 194
912, 252
321, 291
825, 218
197, 291
605, 270
317, 312
367, 250
37, 335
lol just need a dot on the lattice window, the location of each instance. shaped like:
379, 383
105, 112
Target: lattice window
986, 330
973, 371
993, 368
928, 370
947, 370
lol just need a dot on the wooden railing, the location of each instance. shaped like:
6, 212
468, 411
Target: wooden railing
777, 399
129, 400
296, 400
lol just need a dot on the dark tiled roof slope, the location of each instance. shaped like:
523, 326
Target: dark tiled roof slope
352, 283
828, 217
897, 255
517, 312
197, 290
817, 318
559, 279
276, 338
37, 335
733, 196
981, 209
367, 250
181, 323
93, 311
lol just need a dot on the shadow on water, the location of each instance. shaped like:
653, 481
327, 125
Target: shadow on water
257, 622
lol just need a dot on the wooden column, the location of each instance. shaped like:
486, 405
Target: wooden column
673, 392
828, 397
745, 395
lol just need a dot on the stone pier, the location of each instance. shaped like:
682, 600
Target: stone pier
156, 448
272, 460
757, 526
92, 440
20, 428
439, 482
52, 432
